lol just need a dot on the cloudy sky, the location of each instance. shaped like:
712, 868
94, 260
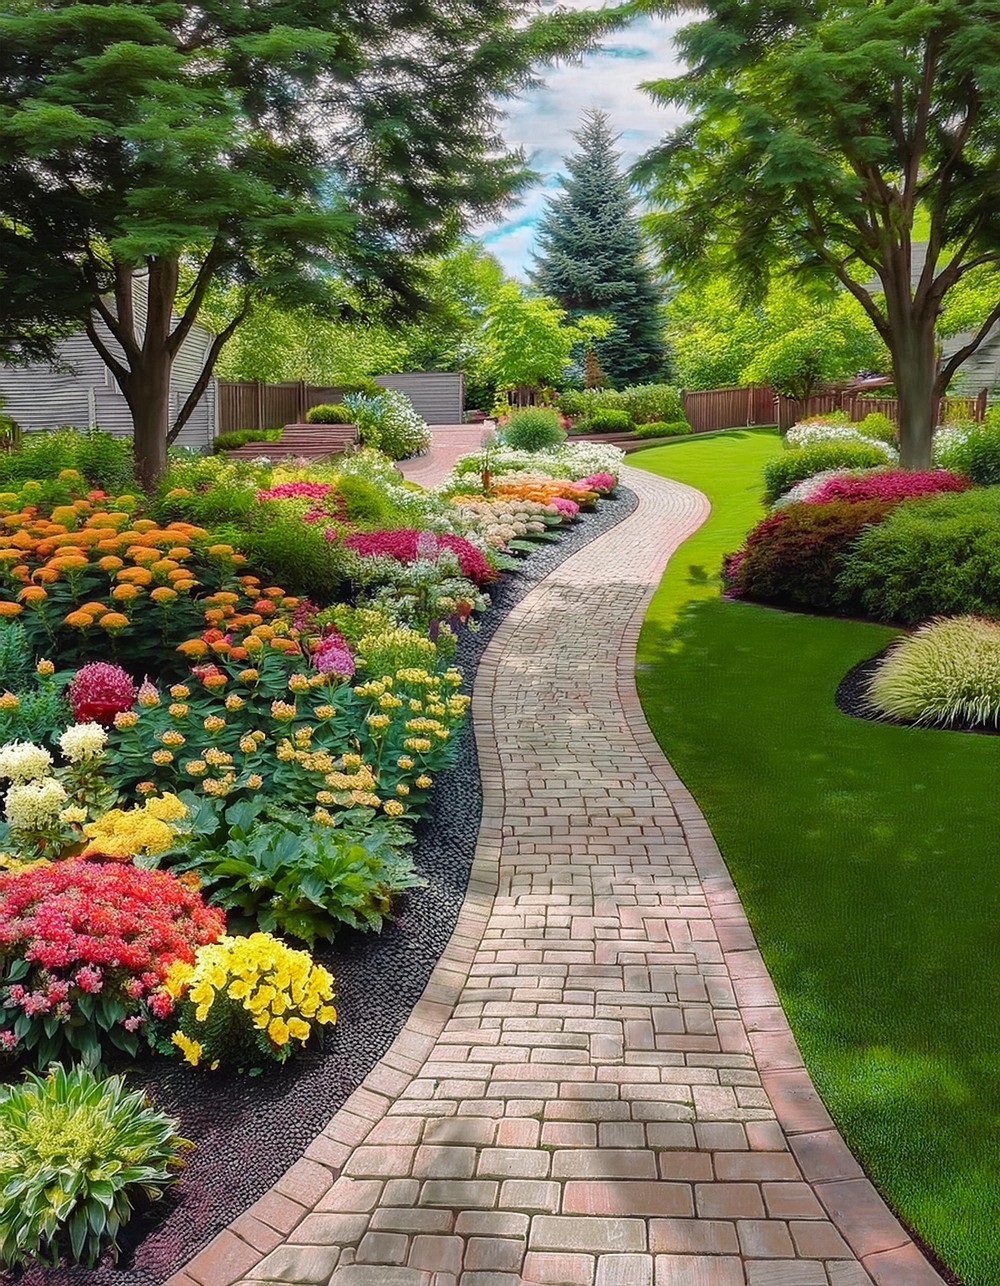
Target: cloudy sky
543, 121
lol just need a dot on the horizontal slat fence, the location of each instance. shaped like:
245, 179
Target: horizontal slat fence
439, 396
733, 408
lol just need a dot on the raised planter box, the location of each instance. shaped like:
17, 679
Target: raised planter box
310, 441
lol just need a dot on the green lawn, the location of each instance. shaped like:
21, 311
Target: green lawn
867, 857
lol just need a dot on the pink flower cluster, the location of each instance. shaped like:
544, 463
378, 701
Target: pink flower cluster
603, 482
99, 691
888, 484
568, 508
332, 656
296, 491
407, 544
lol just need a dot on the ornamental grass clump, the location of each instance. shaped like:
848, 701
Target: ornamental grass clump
248, 1000
76, 1154
947, 672
84, 950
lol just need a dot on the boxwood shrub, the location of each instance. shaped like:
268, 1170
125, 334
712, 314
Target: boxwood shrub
793, 466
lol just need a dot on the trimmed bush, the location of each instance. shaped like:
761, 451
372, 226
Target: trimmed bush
877, 425
328, 413
947, 672
75, 1152
103, 460
653, 403
888, 484
970, 448
658, 429
932, 557
607, 421
583, 403
535, 429
793, 556
240, 437
798, 464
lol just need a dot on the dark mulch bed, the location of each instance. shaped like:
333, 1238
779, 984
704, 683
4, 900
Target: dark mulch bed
851, 701
249, 1131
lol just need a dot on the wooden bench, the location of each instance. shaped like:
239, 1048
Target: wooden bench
308, 441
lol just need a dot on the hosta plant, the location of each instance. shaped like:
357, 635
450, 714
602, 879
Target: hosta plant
76, 1153
245, 1001
946, 672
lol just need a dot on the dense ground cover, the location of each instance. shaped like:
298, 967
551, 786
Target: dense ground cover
865, 855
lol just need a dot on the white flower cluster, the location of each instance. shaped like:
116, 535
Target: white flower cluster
83, 741
34, 805
499, 521
572, 460
24, 761
809, 432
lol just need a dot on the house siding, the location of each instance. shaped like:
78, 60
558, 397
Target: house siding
439, 396
86, 394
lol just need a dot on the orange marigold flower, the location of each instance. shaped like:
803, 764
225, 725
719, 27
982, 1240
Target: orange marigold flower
238, 654
10, 609
144, 525
222, 598
248, 676
221, 648
265, 607
179, 553
124, 593
79, 620
143, 556
164, 565
273, 591
221, 551
284, 645
137, 575
194, 648
95, 609
250, 580
252, 644
163, 595
215, 680
113, 621
109, 563
215, 616
183, 584
33, 594
45, 575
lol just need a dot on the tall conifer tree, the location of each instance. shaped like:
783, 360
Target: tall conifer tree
592, 259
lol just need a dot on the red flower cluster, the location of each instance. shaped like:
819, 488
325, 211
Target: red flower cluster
407, 544
888, 484
96, 925
100, 691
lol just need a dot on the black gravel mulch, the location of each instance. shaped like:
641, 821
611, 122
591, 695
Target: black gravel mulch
851, 701
248, 1131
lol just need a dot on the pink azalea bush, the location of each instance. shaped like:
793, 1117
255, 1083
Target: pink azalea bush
602, 482
887, 484
407, 544
568, 508
333, 656
297, 491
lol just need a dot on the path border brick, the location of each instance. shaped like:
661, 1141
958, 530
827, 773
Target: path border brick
294, 1208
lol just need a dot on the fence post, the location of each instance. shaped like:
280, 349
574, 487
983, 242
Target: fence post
981, 401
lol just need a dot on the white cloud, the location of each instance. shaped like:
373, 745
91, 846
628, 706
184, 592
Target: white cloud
543, 120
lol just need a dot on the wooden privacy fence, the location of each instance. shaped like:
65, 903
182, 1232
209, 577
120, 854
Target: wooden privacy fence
269, 406
733, 408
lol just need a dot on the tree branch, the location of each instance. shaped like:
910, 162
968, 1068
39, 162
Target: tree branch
201, 384
202, 282
120, 372
955, 361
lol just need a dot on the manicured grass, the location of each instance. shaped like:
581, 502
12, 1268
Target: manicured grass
867, 857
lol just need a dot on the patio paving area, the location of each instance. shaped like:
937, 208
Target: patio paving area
599, 1085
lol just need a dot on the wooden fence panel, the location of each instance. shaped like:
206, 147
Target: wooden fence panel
791, 411
728, 408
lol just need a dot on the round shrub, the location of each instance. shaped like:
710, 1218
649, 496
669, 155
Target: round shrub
888, 484
75, 1153
793, 556
653, 403
947, 672
934, 557
792, 466
328, 413
84, 950
389, 422
535, 429
972, 449
877, 425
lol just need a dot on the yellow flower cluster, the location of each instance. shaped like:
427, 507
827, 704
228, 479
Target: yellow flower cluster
141, 830
282, 990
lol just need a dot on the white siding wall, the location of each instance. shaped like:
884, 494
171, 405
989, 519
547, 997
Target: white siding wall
439, 396
40, 397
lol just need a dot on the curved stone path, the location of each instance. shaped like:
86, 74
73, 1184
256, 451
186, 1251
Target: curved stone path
599, 1086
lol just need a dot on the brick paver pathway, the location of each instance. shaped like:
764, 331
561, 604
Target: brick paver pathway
599, 1086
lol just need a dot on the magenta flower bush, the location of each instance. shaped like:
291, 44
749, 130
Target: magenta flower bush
297, 491
407, 545
99, 691
333, 656
602, 482
887, 484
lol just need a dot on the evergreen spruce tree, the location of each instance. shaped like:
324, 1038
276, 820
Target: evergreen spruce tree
592, 261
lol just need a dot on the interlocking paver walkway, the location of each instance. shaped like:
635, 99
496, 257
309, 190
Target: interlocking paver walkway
599, 1086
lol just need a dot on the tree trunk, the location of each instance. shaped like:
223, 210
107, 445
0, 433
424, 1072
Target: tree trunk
914, 365
149, 402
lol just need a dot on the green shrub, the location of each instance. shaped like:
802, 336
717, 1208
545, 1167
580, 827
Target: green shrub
972, 449
535, 429
877, 425
793, 466
75, 1153
104, 461
329, 413
389, 422
301, 878
240, 437
295, 555
584, 402
947, 672
794, 555
649, 403
607, 421
364, 385
936, 557
679, 428
363, 504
